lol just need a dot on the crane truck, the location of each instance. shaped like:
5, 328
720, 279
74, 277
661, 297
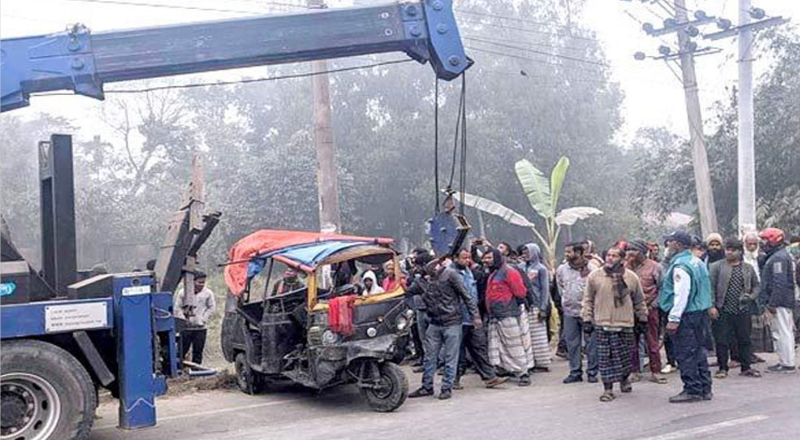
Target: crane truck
67, 333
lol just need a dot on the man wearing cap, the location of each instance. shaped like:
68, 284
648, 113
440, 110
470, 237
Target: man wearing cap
715, 250
686, 295
777, 292
735, 286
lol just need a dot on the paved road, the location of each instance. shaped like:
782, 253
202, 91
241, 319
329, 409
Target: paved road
742, 408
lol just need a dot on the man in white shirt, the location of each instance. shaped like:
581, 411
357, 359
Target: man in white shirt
197, 314
686, 296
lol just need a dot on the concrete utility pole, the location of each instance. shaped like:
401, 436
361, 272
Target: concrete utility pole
702, 176
327, 182
746, 151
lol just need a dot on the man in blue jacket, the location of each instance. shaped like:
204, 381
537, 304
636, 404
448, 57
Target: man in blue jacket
777, 293
686, 296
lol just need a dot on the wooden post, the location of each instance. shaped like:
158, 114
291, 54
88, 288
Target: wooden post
327, 182
195, 203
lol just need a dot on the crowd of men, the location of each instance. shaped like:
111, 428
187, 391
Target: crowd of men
499, 309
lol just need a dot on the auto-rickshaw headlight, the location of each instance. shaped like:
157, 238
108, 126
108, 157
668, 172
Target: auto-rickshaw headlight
402, 323
329, 338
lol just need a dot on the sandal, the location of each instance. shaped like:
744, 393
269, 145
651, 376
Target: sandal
625, 386
657, 379
750, 373
721, 374
607, 396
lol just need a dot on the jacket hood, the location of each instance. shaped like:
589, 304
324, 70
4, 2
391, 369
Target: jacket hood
370, 275
535, 253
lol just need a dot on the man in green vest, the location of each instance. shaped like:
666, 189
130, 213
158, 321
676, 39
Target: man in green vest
686, 296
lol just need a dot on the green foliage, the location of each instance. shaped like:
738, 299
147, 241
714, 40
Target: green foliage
663, 170
256, 144
537, 187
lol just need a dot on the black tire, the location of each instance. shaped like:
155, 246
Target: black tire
393, 394
249, 381
64, 395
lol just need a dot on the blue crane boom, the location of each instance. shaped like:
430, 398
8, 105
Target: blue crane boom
84, 62
118, 330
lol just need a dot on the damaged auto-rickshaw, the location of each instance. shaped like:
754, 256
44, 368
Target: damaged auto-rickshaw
324, 333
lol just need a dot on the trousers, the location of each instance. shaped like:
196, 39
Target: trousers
476, 342
733, 330
574, 337
196, 341
691, 351
783, 335
447, 340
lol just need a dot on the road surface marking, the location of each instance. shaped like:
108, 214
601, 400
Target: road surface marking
684, 433
210, 412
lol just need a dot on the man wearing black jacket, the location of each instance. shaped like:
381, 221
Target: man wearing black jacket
777, 292
443, 292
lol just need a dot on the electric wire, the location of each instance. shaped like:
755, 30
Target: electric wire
526, 42
532, 31
519, 57
165, 6
505, 17
525, 49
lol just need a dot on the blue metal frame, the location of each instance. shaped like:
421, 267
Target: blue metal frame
164, 319
26, 320
82, 62
134, 333
137, 317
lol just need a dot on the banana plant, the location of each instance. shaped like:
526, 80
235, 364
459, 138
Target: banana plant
543, 196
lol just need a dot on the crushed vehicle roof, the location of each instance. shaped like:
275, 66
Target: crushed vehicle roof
300, 249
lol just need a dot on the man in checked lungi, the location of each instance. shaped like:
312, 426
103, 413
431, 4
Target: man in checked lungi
509, 335
613, 305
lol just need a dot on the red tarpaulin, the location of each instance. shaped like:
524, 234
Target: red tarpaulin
267, 240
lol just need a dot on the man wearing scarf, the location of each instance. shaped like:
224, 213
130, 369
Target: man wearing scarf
650, 275
686, 296
539, 300
613, 296
509, 347
571, 278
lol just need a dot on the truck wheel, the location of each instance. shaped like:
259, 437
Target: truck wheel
392, 391
249, 381
46, 393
